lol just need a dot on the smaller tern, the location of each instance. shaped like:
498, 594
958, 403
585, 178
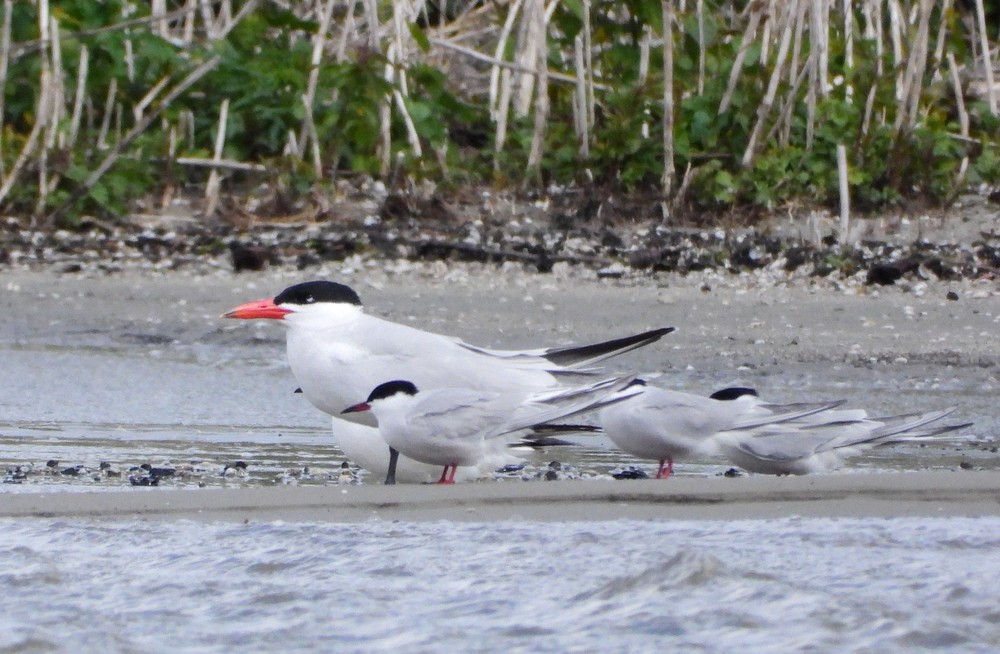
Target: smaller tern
453, 427
666, 425
823, 441
777, 439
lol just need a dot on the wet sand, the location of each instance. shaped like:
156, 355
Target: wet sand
787, 337
925, 494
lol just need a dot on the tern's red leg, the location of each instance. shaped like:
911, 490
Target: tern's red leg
445, 477
665, 471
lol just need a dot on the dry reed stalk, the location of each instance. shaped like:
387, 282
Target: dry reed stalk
784, 122
187, 31
869, 107
588, 53
963, 116
348, 31
214, 179
186, 120
27, 47
748, 39
942, 35
845, 194
291, 148
226, 14
56, 136
682, 190
384, 151
984, 45
232, 21
208, 18
668, 102
118, 120
411, 129
700, 10
873, 31
44, 116
309, 135
786, 27
109, 106
8, 8
403, 13
872, 11
794, 79
145, 101
495, 91
158, 12
319, 43
848, 50
896, 36
580, 100
31, 143
82, 70
227, 164
906, 114
530, 40
765, 31
820, 39
644, 47
538, 37
811, 100
129, 60
115, 153
508, 66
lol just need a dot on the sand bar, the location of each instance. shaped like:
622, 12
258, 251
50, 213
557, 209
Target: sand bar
939, 493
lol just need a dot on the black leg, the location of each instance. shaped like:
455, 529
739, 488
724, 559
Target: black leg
390, 477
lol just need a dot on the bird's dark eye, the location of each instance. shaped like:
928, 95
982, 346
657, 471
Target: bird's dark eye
310, 299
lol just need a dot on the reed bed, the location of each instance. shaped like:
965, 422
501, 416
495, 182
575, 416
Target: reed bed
701, 105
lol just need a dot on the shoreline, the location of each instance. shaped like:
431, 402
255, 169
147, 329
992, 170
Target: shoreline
926, 494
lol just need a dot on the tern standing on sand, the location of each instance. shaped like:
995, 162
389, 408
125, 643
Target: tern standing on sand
338, 354
777, 439
450, 427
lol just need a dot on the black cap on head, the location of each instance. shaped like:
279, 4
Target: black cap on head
317, 291
732, 393
389, 389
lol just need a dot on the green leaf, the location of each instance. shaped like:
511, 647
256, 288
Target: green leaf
420, 37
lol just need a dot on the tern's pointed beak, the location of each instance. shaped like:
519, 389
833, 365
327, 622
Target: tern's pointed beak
364, 406
258, 309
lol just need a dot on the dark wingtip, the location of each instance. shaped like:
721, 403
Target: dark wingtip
567, 356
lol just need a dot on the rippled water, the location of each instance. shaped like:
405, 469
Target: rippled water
762, 586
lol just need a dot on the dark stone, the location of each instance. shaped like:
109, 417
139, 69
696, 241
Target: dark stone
883, 274
249, 257
630, 472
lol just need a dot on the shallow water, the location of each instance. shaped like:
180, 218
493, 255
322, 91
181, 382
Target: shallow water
764, 586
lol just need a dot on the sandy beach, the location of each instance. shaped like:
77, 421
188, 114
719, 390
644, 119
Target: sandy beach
791, 339
927, 494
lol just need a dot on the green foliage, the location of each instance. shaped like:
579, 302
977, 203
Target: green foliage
265, 69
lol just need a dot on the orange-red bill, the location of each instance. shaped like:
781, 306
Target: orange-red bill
257, 309
364, 406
